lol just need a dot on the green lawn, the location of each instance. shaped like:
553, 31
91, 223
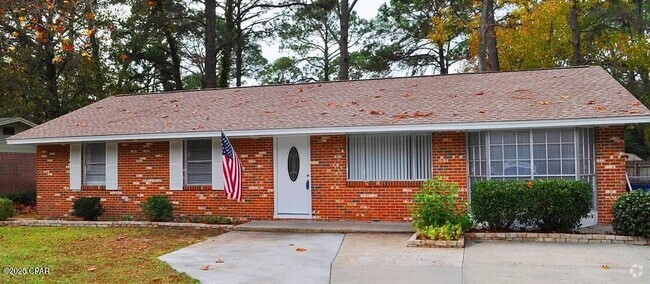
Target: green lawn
95, 255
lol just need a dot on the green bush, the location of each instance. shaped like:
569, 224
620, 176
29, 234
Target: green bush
435, 210
25, 198
548, 204
88, 208
158, 208
632, 214
6, 209
497, 203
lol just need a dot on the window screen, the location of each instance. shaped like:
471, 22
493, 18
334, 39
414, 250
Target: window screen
95, 164
389, 156
198, 162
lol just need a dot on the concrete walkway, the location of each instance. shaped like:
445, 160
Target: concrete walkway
268, 257
309, 226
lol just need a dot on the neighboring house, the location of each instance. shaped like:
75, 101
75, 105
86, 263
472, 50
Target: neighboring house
354, 150
17, 163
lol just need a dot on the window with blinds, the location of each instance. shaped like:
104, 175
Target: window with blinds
198, 162
94, 164
379, 157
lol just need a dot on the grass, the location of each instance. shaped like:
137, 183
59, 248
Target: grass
95, 255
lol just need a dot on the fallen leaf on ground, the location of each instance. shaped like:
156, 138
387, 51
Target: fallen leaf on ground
290, 245
206, 267
301, 249
92, 268
219, 260
604, 266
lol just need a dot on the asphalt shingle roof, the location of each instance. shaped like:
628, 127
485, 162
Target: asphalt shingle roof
566, 93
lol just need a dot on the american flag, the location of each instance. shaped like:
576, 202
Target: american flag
231, 169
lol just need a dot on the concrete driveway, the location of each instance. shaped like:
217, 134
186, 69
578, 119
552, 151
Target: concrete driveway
265, 257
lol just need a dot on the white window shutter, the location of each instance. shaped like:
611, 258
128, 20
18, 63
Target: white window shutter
111, 166
75, 166
217, 173
176, 165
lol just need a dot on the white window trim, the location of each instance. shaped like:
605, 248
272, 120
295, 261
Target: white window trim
176, 165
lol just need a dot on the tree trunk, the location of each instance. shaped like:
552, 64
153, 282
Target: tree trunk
575, 34
344, 57
239, 47
226, 57
482, 53
444, 69
210, 76
491, 37
176, 59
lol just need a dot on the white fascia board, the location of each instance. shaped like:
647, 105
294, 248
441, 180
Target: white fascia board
471, 126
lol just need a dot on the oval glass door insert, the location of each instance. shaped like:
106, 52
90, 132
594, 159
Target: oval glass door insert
293, 164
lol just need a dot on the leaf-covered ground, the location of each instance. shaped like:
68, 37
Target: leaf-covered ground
95, 255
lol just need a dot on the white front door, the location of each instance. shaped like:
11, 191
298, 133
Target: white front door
292, 170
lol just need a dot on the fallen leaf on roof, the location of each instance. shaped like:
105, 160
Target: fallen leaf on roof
269, 111
219, 260
636, 103
412, 115
481, 111
407, 95
600, 108
414, 85
480, 93
377, 96
354, 103
330, 104
604, 266
301, 249
99, 107
565, 97
303, 101
198, 126
319, 85
633, 111
544, 103
376, 112
452, 96
300, 90
454, 114
382, 89
591, 102
165, 116
323, 113
173, 101
205, 267
361, 109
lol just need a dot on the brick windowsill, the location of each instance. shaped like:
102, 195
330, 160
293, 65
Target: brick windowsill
92, 187
197, 188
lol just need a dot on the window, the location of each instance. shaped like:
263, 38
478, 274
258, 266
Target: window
8, 130
531, 154
379, 157
198, 162
94, 164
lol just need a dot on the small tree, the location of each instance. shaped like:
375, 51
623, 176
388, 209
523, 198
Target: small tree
6, 209
158, 208
435, 212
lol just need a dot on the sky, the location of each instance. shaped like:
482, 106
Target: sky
366, 9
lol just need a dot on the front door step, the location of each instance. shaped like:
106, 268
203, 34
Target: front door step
310, 226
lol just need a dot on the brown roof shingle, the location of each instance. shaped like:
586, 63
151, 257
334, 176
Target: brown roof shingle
566, 93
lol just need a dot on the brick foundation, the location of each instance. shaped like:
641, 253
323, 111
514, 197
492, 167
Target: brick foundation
17, 173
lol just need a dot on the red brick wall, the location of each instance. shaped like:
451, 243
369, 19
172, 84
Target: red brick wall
17, 172
144, 171
610, 169
334, 198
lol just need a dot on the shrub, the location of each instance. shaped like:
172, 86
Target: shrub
497, 203
445, 232
25, 198
549, 205
158, 208
557, 204
6, 209
435, 211
632, 214
88, 208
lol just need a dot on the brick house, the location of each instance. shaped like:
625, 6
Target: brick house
354, 150
17, 162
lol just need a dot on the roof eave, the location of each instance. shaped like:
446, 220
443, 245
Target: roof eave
17, 119
470, 126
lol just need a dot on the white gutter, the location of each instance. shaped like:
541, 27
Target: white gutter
344, 130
